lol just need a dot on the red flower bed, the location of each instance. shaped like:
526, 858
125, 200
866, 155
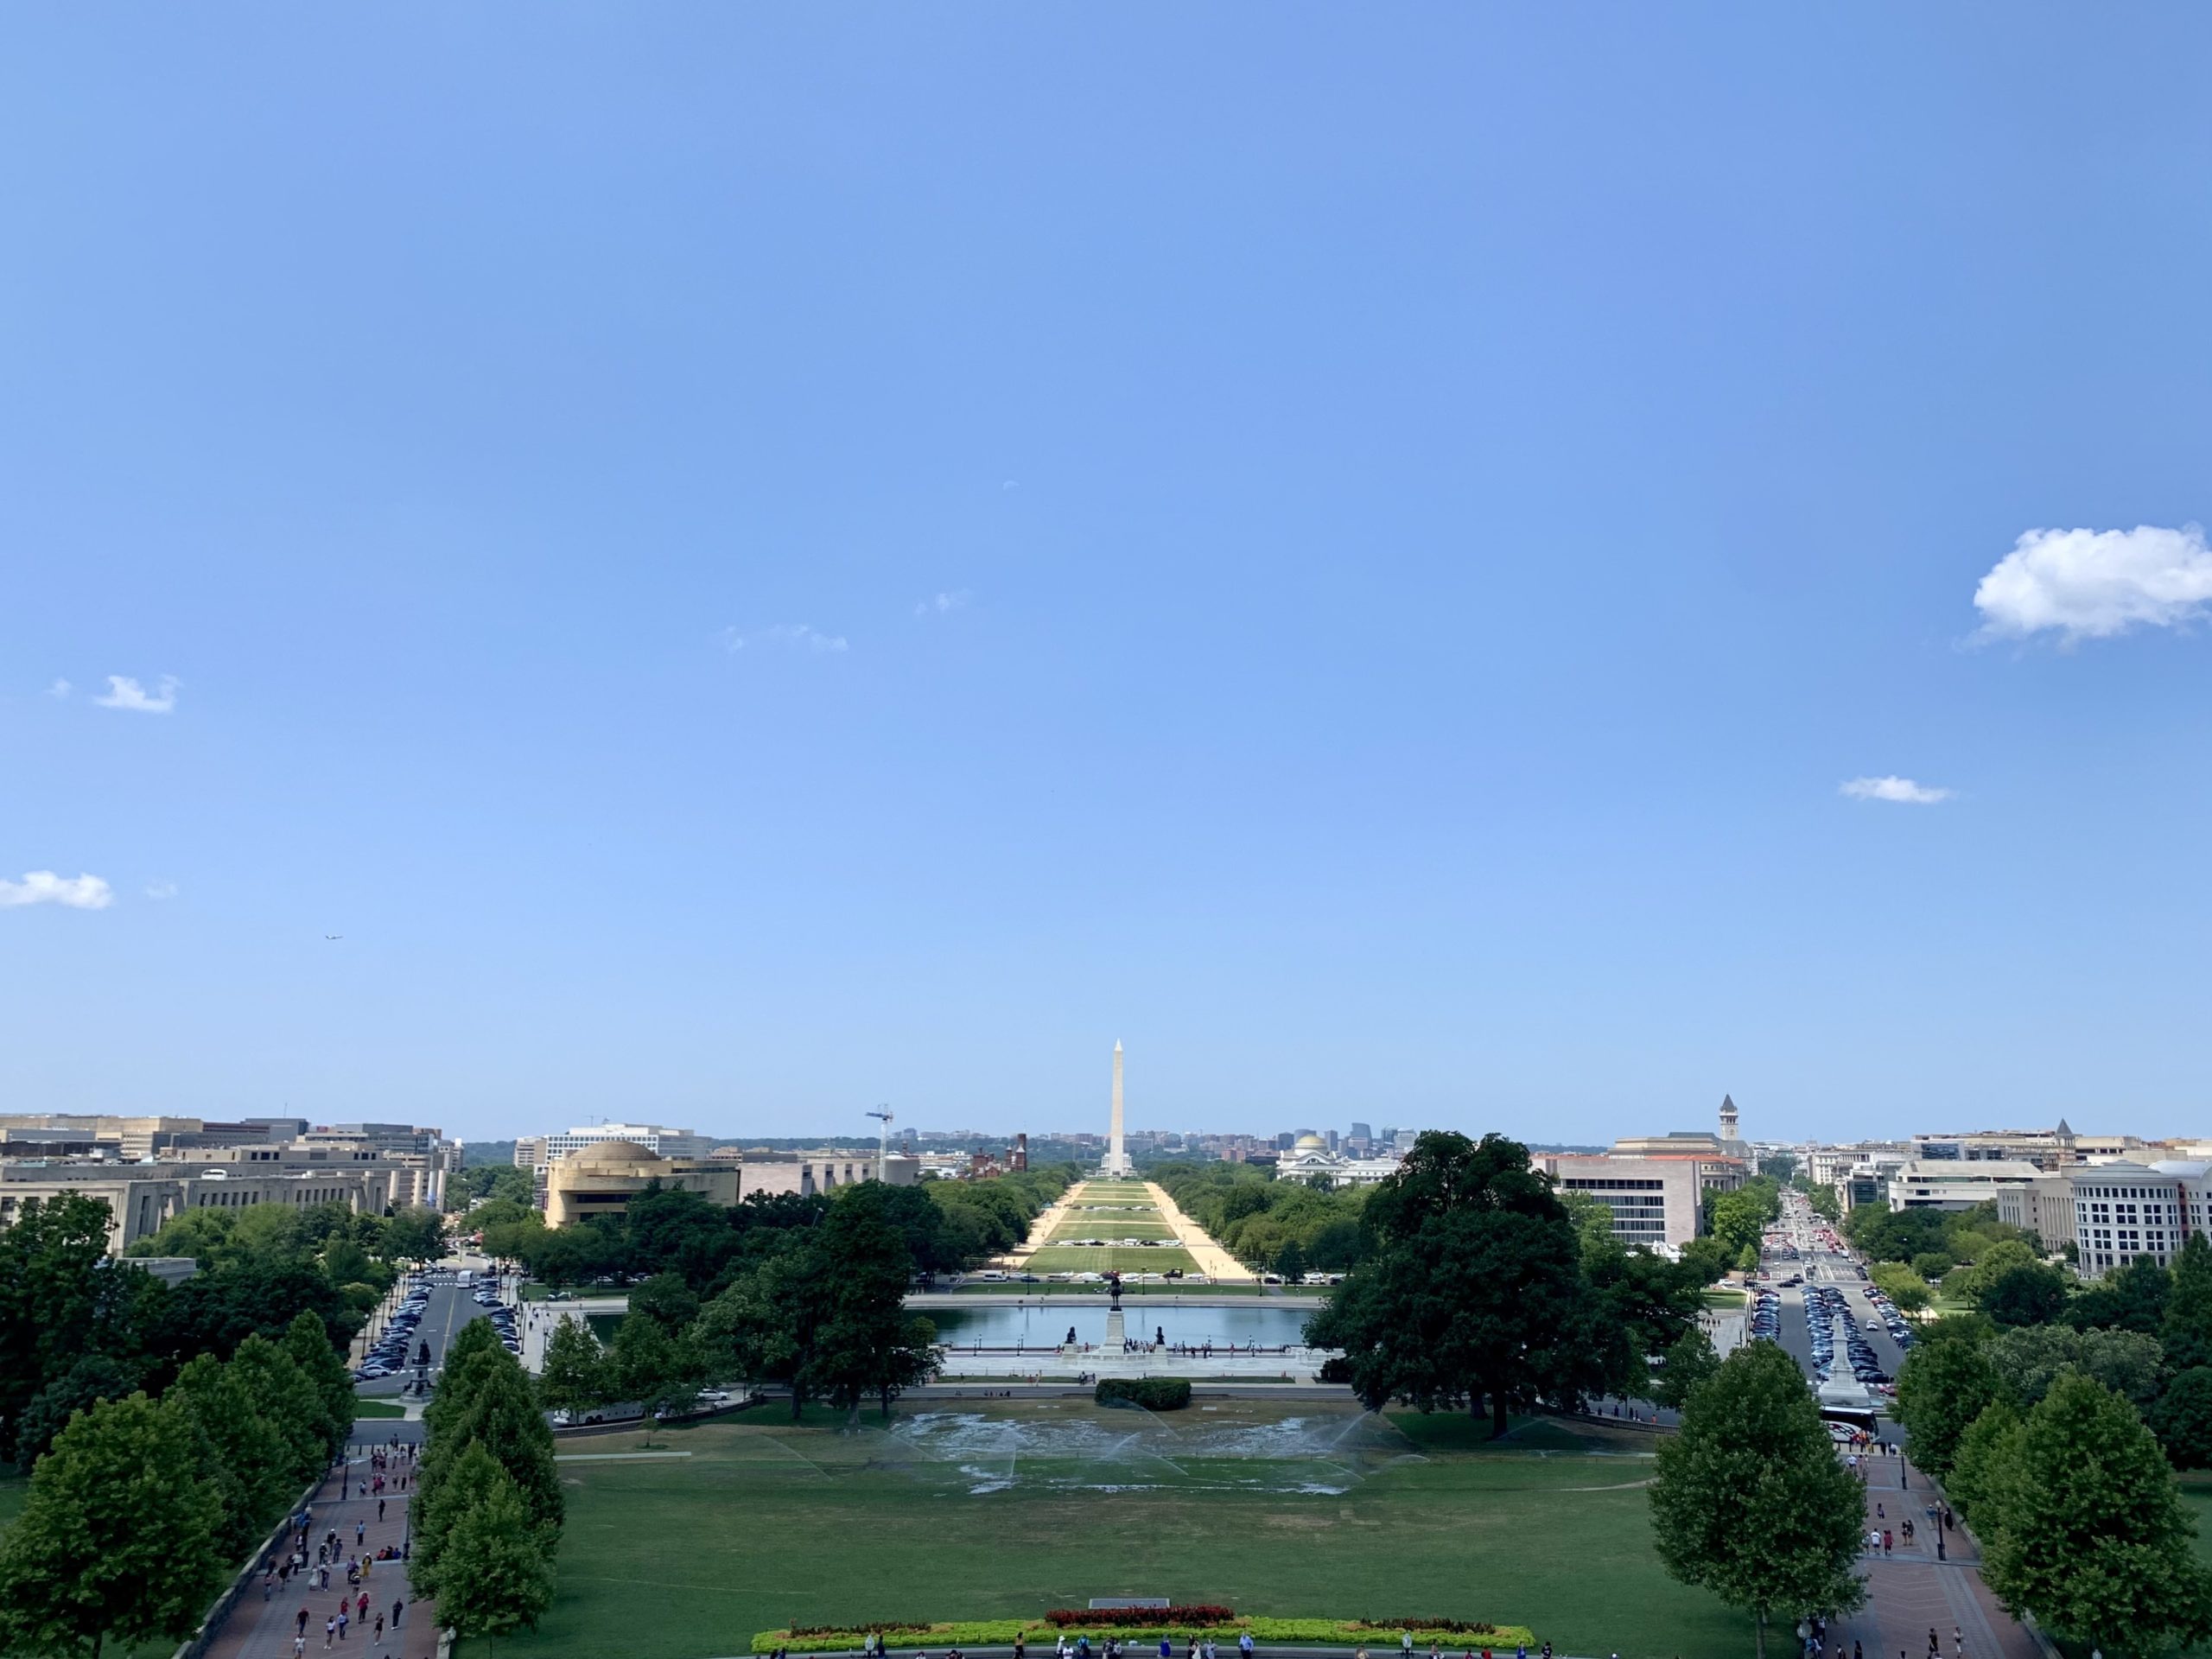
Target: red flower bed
1204, 1613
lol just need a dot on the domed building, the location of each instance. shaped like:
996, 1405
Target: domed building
602, 1178
1310, 1159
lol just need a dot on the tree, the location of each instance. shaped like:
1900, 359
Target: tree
94, 1377
1901, 1284
2091, 1536
416, 1234
244, 1454
2187, 1328
576, 1377
1707, 1257
1986, 1464
1290, 1263
1739, 1219
307, 1342
652, 1368
117, 1539
1825, 1204
1941, 1388
2030, 1294
1932, 1265
496, 1578
1779, 1166
490, 1403
284, 1399
1751, 1500
1689, 1362
864, 1344
466, 1476
1472, 1289
61, 1301
2183, 1419
667, 1301
2030, 1359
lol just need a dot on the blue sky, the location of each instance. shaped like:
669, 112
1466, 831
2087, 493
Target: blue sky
755, 561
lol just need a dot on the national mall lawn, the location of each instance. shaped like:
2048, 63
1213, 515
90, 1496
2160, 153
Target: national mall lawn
968, 1510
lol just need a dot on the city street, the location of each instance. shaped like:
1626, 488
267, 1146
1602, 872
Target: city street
450, 1308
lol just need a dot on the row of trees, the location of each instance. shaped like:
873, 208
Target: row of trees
2036, 1434
947, 1226
818, 1309
488, 1508
1475, 1288
1285, 1227
142, 1508
76, 1326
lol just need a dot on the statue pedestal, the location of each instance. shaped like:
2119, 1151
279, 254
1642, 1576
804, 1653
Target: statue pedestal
1115, 1335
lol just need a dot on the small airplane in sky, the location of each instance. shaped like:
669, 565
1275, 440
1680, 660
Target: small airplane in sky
334, 936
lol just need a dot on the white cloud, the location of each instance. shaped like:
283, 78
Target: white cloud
2092, 584
789, 636
1901, 790
45, 888
940, 604
58, 689
160, 889
124, 692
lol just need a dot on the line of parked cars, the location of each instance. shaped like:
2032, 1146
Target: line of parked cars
1765, 1323
500, 1315
388, 1355
1826, 1312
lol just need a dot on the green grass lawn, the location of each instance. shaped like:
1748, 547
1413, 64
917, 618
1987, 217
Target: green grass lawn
1090, 1224
1125, 1258
378, 1408
1011, 1509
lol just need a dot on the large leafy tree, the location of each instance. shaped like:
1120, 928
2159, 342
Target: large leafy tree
2090, 1535
307, 1341
414, 1234
245, 1454
763, 1327
119, 1539
1751, 1502
2186, 1329
866, 1344
1688, 1365
1473, 1290
2183, 1419
2030, 1358
576, 1377
2131, 1297
1941, 1388
491, 1403
284, 1399
61, 1301
2030, 1294
495, 1576
652, 1367
1986, 1464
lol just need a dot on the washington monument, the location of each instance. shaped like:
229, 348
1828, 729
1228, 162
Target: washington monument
1117, 1161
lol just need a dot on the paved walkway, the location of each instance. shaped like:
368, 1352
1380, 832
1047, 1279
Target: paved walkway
1215, 1263
263, 1630
1911, 1593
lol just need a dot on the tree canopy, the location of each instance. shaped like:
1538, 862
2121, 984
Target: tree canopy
1751, 1502
1472, 1288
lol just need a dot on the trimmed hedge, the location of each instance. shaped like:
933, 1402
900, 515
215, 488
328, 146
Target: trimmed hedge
1153, 1393
1002, 1632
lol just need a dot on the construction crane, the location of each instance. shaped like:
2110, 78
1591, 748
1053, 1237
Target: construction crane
883, 1144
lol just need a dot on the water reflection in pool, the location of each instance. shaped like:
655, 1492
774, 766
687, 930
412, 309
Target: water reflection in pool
1046, 1328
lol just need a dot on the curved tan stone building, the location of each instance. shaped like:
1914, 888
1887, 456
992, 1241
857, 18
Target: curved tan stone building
601, 1180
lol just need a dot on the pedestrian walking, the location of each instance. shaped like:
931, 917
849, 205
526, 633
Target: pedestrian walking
398, 1606
330, 1635
379, 1511
299, 1646
304, 1619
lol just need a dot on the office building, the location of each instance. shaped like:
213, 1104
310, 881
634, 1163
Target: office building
823, 1171
1955, 1184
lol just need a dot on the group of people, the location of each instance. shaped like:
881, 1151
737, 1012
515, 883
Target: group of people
385, 1469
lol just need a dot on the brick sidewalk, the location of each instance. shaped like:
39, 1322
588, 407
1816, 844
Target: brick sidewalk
263, 1630
1910, 1592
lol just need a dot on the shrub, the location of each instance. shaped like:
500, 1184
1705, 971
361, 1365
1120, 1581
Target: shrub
1001, 1632
1153, 1393
1337, 1370
1198, 1613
